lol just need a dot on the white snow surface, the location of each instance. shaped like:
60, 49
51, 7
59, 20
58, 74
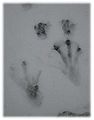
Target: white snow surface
21, 43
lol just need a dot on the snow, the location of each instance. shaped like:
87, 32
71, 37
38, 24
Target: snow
21, 43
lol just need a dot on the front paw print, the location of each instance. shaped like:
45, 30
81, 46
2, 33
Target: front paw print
67, 26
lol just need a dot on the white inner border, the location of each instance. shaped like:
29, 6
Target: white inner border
2, 54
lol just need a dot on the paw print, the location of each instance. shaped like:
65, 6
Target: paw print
67, 26
29, 84
41, 29
69, 52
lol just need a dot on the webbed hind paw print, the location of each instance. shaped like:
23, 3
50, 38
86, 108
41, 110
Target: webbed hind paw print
70, 52
30, 84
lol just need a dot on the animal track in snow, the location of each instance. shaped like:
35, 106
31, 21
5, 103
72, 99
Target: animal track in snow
29, 84
69, 52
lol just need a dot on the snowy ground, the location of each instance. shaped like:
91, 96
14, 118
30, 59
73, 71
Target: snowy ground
21, 43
